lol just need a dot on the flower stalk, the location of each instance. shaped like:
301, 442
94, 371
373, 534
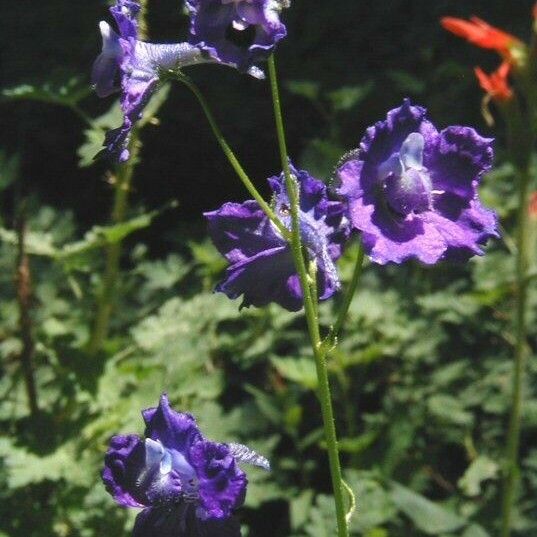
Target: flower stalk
512, 471
23, 282
122, 185
107, 294
312, 319
228, 152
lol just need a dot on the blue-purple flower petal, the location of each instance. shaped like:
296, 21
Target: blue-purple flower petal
187, 485
136, 68
222, 484
412, 191
237, 32
261, 263
182, 522
175, 430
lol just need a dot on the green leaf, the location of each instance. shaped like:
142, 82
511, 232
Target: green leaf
449, 409
475, 531
299, 370
406, 82
95, 134
427, 516
67, 93
357, 444
299, 508
347, 97
375, 507
37, 243
479, 470
99, 236
114, 118
9, 169
265, 404
304, 88
320, 157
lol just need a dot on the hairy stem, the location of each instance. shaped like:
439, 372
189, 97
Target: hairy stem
23, 281
235, 164
107, 295
311, 314
122, 185
520, 358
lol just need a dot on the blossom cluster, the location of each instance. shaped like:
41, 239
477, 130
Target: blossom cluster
409, 190
236, 33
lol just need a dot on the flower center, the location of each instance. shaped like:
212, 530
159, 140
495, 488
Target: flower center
167, 475
241, 33
405, 181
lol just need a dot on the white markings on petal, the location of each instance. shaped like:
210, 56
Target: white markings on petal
243, 454
411, 153
154, 452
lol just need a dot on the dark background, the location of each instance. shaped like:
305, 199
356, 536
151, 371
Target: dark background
335, 43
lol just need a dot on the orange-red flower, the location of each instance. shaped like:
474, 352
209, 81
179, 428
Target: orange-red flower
532, 207
480, 33
496, 84
535, 11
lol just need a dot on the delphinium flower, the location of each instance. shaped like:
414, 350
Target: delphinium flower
136, 68
187, 485
237, 32
412, 191
261, 262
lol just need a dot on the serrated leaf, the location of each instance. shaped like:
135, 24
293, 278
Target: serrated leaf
374, 504
481, 469
449, 409
299, 370
66, 93
36, 243
299, 508
95, 134
347, 97
99, 236
304, 88
426, 515
112, 119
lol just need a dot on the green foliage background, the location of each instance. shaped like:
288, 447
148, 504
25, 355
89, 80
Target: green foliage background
421, 377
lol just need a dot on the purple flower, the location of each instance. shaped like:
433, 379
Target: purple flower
412, 191
186, 485
137, 66
237, 32
261, 263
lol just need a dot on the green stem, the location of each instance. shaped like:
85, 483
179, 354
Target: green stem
311, 314
340, 321
106, 298
122, 186
520, 357
239, 170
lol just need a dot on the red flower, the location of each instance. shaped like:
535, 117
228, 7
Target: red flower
482, 34
496, 84
535, 11
532, 207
